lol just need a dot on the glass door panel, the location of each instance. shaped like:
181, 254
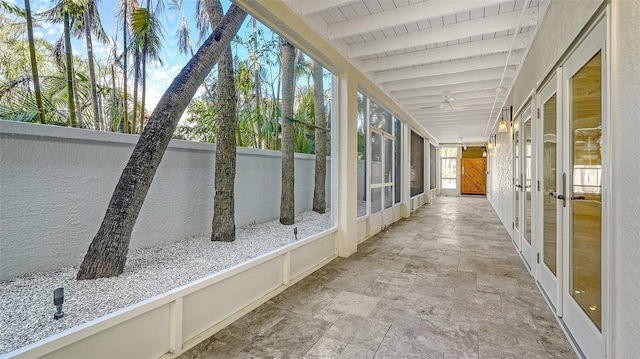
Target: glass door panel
527, 180
517, 177
549, 173
586, 188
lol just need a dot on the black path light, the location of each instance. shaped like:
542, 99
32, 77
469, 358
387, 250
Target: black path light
58, 299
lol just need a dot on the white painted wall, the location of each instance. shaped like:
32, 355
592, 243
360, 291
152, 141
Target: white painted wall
501, 184
563, 22
625, 178
56, 182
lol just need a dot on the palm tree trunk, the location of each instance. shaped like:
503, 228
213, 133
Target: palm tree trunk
69, 69
126, 68
107, 252
287, 200
319, 190
144, 87
223, 227
136, 77
76, 98
34, 63
92, 71
114, 105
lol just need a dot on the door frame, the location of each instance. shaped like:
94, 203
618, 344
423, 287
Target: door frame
550, 284
523, 115
591, 341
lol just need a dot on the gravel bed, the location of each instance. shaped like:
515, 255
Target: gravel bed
28, 300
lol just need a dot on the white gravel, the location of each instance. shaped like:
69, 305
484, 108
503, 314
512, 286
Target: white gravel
27, 301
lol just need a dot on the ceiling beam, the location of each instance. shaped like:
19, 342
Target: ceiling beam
438, 90
404, 15
466, 29
309, 7
475, 63
448, 79
469, 49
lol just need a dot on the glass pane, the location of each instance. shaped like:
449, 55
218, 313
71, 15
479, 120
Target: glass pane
417, 164
362, 156
516, 171
432, 167
380, 118
376, 157
388, 160
388, 197
527, 180
450, 152
398, 161
449, 183
449, 168
376, 200
586, 203
549, 175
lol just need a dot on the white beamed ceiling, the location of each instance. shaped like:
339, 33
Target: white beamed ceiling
418, 50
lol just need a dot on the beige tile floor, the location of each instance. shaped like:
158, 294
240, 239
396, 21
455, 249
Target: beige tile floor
445, 283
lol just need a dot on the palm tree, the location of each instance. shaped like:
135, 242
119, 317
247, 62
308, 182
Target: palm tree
319, 191
91, 24
223, 227
107, 253
287, 200
147, 40
69, 70
125, 29
34, 63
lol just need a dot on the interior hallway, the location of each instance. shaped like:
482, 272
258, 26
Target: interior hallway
444, 283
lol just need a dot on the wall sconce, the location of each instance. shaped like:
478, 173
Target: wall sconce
484, 152
502, 127
492, 142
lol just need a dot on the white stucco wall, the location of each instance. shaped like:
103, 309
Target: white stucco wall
564, 20
625, 178
56, 182
501, 184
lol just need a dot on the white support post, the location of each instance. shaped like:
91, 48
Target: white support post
347, 202
405, 207
175, 331
427, 171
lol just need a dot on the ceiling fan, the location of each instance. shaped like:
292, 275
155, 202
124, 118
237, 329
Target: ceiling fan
446, 104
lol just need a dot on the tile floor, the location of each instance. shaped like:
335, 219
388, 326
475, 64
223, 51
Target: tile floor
445, 283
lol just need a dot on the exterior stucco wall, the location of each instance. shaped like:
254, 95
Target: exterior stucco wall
562, 22
501, 181
625, 178
56, 182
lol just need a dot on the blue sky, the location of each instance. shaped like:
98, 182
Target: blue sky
158, 77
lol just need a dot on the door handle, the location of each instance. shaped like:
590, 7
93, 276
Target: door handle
578, 197
553, 194
564, 190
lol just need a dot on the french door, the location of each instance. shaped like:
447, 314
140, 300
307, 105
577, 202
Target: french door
573, 245
585, 159
551, 183
523, 174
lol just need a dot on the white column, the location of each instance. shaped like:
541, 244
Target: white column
405, 207
347, 201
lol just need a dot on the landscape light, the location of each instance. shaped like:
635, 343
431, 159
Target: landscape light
58, 299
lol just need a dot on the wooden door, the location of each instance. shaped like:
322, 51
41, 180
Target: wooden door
474, 176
